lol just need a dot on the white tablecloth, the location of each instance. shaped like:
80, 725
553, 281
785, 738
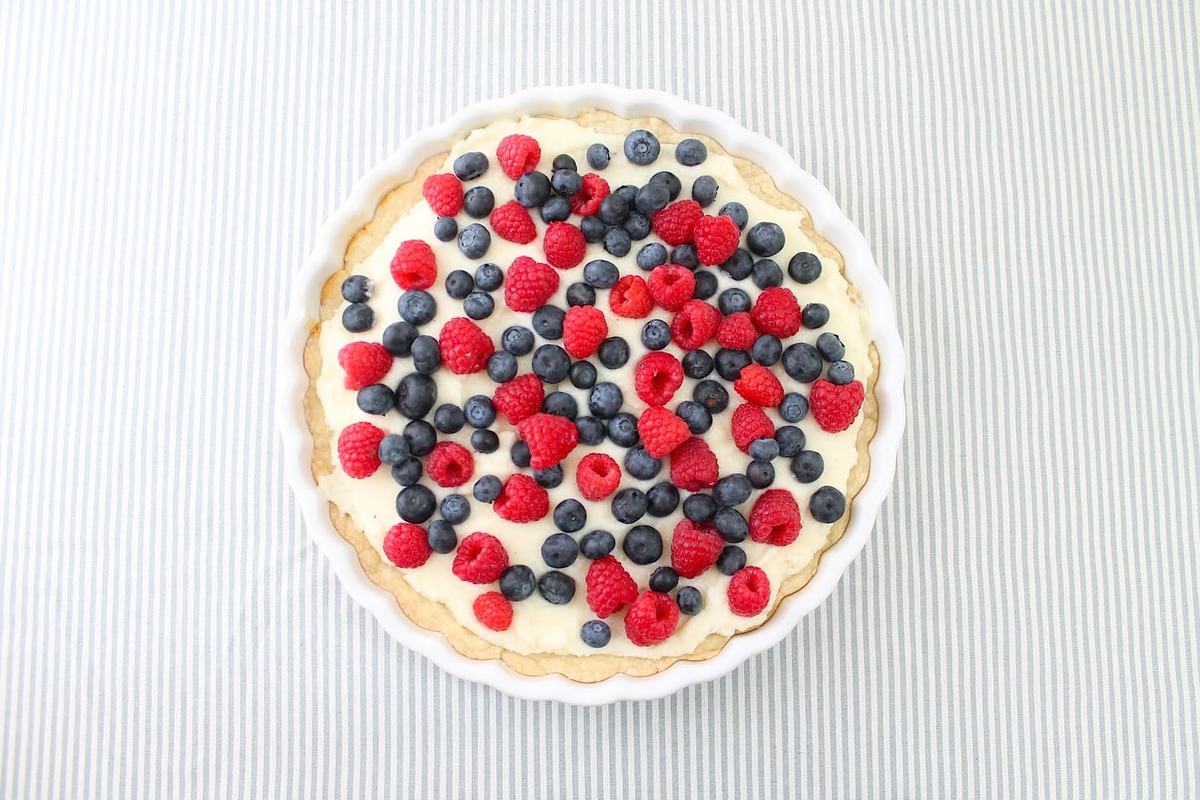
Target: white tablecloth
1024, 620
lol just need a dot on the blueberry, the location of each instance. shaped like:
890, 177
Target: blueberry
732, 301
597, 544
594, 632
764, 449
815, 315
561, 404
556, 209
802, 362
556, 587
697, 364
563, 161
486, 489
613, 210
393, 448
804, 267
685, 256
706, 285
711, 395
739, 265
689, 600
441, 536
459, 284
488, 277
830, 347
731, 525
559, 550
549, 477
736, 212
421, 437
652, 197
622, 429
479, 411
455, 508
356, 289
732, 559
700, 508
474, 240
730, 363
398, 338
766, 273
598, 156
641, 147
761, 474
580, 294
704, 190
827, 504
415, 503
416, 306
551, 363
656, 334
663, 579
766, 350
732, 490
470, 166
697, 417
691, 152
605, 400
765, 239
600, 273
520, 454
652, 255
791, 440
570, 515
793, 407
593, 229
643, 544
517, 582
613, 352
840, 373
415, 395
591, 430
669, 180
479, 305
532, 189
358, 317
582, 375
617, 242
548, 322
807, 466
566, 182
517, 340
376, 399
662, 499
641, 465
478, 202
449, 418
629, 505
407, 471
637, 226
445, 229
484, 441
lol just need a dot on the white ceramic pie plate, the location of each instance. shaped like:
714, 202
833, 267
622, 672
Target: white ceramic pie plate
829, 220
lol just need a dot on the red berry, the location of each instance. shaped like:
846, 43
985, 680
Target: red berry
694, 548
671, 286
693, 466
759, 385
407, 545
493, 611
835, 407
597, 475
651, 619
661, 430
563, 244
587, 200
674, 223
444, 193
584, 328
776, 312
450, 464
413, 266
522, 500
518, 154
750, 423
737, 331
512, 223
630, 297
551, 438
465, 348
609, 587
695, 324
358, 449
529, 284
775, 518
657, 377
364, 363
716, 239
480, 558
749, 591
519, 398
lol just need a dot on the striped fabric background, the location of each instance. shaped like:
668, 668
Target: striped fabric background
1024, 621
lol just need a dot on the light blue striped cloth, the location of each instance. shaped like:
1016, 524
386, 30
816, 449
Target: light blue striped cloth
1024, 621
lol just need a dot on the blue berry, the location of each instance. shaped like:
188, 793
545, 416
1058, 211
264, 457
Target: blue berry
597, 544
613, 210
827, 504
561, 404
486, 489
697, 417
761, 474
425, 355
548, 322
445, 229
815, 315
517, 340
605, 400
736, 212
697, 364
441, 536
733, 300
732, 490
711, 395
598, 156
600, 273
622, 429
556, 587
393, 449
669, 180
656, 334
474, 240
617, 242
685, 256
549, 477
470, 166
791, 440
732, 559
358, 317
407, 471
628, 506
582, 375
663, 579
479, 305
652, 197
478, 202
563, 161
415, 503
628, 192
739, 265
765, 239
690, 600
566, 182
551, 363
613, 352
398, 338
641, 147
488, 277
730, 363
691, 152
594, 632
700, 508
591, 430
517, 582
376, 399
804, 267
830, 347
802, 362
593, 228
766, 350
641, 465
807, 466
459, 284
449, 418
652, 255
662, 499
793, 407
731, 525
416, 306
643, 544
556, 209
637, 225
580, 294
559, 550
356, 289
484, 441
421, 437
455, 508
570, 515
704, 190
532, 189
479, 411
840, 373
766, 273
415, 395
520, 454
764, 449
706, 285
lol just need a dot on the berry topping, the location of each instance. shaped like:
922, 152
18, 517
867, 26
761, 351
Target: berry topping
776, 312
450, 464
444, 193
594, 632
765, 239
512, 223
748, 592
365, 363
775, 518
493, 611
358, 449
657, 377
694, 466
584, 329
695, 324
563, 244
661, 431
529, 285
464, 347
651, 619
413, 266
827, 504
407, 545
630, 297
550, 438
518, 154
522, 500
749, 423
609, 587
716, 239
481, 558
675, 223
587, 200
694, 548
737, 331
671, 286
519, 398
759, 385
835, 407
642, 147
597, 476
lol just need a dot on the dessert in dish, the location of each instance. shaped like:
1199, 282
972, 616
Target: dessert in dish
590, 395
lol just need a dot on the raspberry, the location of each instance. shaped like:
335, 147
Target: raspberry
550, 437
716, 238
358, 449
529, 284
587, 200
671, 286
413, 266
657, 377
775, 518
450, 464
694, 548
522, 500
519, 398
651, 619
364, 363
512, 223
776, 312
563, 244
693, 466
518, 154
750, 423
480, 558
584, 328
407, 545
661, 430
748, 592
674, 223
597, 475
465, 348
609, 587
444, 193
835, 407
493, 611
695, 324
759, 385
737, 331
630, 297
